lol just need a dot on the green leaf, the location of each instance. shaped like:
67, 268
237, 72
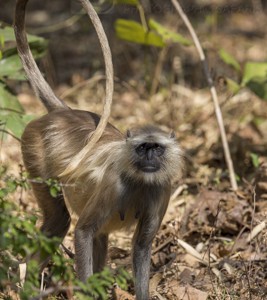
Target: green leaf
2, 40
3, 193
7, 34
11, 112
259, 87
15, 123
129, 2
11, 66
255, 78
229, 59
53, 191
168, 35
258, 120
255, 160
8, 101
11, 186
232, 85
28, 118
253, 70
132, 31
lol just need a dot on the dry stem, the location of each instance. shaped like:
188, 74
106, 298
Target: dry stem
212, 91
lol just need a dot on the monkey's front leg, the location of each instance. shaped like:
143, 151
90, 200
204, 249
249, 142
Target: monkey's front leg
141, 267
144, 235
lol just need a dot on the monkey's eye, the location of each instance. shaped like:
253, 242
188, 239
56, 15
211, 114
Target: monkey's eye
141, 150
158, 149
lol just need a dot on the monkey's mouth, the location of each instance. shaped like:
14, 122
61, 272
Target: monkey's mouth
149, 169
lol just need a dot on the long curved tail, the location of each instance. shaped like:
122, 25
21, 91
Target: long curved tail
39, 84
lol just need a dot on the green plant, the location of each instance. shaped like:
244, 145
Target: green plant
98, 285
12, 117
253, 75
149, 33
19, 238
255, 159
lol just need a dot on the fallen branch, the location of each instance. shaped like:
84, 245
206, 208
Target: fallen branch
212, 91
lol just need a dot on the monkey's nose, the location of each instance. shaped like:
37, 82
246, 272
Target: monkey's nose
149, 154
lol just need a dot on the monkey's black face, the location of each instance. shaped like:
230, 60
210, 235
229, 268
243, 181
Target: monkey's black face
148, 157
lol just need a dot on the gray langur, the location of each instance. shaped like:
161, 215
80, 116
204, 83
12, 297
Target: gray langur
122, 181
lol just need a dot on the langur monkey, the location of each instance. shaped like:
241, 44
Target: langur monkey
125, 179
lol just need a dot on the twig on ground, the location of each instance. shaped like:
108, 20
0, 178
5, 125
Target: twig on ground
79, 85
212, 91
67, 251
163, 245
177, 192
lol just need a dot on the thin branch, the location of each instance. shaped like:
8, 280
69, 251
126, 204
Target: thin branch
96, 135
212, 91
79, 85
67, 251
9, 133
12, 110
142, 16
58, 26
157, 72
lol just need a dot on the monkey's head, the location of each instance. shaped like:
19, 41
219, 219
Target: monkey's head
151, 155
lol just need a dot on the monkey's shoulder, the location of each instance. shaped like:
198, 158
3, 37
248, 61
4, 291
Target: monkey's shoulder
63, 131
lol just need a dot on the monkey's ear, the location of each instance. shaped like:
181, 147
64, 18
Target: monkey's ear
128, 134
172, 135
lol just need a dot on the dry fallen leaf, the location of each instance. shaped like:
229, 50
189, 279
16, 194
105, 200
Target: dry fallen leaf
154, 282
187, 292
256, 230
119, 294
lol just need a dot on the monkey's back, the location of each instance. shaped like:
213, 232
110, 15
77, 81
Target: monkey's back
50, 142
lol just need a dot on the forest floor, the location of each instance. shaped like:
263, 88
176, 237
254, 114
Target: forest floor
213, 241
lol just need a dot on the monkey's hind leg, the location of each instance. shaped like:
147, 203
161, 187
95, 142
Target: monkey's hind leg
56, 218
100, 248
